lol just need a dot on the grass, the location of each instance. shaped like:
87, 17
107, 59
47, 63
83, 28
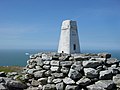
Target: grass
7, 69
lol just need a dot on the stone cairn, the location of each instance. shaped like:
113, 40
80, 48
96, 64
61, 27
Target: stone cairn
53, 71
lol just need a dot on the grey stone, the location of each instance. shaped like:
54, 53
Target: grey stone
47, 73
74, 74
33, 88
68, 81
111, 61
15, 84
55, 69
55, 63
66, 63
46, 62
65, 70
106, 84
116, 80
2, 74
90, 72
38, 67
71, 87
60, 86
43, 81
77, 66
47, 67
91, 64
39, 74
58, 80
35, 83
104, 55
31, 71
50, 79
49, 87
2, 87
94, 87
83, 81
46, 57
106, 74
39, 62
58, 75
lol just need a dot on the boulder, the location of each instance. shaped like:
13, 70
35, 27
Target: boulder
2, 74
35, 83
68, 81
91, 64
71, 87
95, 87
49, 87
66, 63
47, 73
31, 71
58, 80
58, 75
55, 63
83, 81
106, 84
3, 87
64, 70
39, 62
104, 55
55, 68
46, 67
106, 74
39, 74
15, 84
60, 86
74, 74
111, 61
116, 80
77, 66
50, 79
90, 72
46, 62
43, 81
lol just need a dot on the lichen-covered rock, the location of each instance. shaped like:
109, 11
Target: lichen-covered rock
66, 63
90, 72
55, 68
83, 81
49, 87
111, 61
58, 80
65, 70
39, 74
74, 74
68, 81
106, 74
104, 55
60, 86
43, 81
95, 87
106, 84
71, 87
77, 66
91, 64
58, 75
55, 63
116, 80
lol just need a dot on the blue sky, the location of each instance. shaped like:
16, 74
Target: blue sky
35, 24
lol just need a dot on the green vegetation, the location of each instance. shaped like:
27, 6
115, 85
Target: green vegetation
7, 69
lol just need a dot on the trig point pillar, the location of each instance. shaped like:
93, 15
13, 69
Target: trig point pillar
69, 40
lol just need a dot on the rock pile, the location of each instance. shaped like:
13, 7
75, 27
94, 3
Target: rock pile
53, 71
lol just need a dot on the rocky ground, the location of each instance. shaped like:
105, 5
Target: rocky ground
53, 71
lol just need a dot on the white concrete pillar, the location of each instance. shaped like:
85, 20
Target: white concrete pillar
69, 40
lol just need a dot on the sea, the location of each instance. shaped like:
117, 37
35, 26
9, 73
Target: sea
20, 57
